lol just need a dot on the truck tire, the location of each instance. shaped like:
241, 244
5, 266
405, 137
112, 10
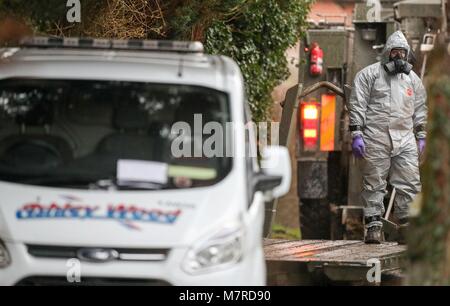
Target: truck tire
315, 219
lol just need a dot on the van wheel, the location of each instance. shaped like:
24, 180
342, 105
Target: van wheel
315, 219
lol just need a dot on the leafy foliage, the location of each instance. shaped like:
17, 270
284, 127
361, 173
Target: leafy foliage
257, 38
46, 16
255, 33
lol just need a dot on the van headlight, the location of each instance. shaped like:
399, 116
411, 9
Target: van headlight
220, 251
4, 256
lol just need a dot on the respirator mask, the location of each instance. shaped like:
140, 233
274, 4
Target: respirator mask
397, 64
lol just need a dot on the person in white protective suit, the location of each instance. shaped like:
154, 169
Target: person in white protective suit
388, 114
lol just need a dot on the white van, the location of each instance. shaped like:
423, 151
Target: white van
91, 192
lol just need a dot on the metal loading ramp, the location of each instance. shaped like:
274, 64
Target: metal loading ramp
298, 262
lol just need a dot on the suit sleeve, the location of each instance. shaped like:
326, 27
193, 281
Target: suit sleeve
359, 98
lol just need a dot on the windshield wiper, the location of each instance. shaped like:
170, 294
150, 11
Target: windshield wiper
114, 184
133, 185
60, 180
91, 182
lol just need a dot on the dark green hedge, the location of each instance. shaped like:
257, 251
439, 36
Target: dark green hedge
255, 33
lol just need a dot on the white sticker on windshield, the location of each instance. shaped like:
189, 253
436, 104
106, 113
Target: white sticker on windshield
142, 171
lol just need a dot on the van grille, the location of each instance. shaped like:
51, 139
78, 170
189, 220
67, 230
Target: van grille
123, 254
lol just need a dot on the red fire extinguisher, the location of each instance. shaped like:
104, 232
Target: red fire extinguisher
316, 60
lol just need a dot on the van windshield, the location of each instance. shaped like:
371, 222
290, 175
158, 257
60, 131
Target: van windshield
109, 134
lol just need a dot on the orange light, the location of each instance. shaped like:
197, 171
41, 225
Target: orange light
310, 112
327, 122
310, 133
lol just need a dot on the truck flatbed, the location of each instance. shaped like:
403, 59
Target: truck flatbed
294, 262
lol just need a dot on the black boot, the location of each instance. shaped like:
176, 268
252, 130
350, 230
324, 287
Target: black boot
374, 233
403, 225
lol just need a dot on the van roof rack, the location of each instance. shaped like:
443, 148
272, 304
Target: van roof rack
113, 44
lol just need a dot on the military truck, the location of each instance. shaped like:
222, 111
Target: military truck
329, 182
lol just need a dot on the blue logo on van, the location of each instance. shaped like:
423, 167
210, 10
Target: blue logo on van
127, 215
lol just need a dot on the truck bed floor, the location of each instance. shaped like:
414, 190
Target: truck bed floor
340, 260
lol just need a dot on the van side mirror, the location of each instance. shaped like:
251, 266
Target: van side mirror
276, 166
263, 182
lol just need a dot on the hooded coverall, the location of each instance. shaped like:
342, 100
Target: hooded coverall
391, 112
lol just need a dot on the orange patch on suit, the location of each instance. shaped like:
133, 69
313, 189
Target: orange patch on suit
409, 92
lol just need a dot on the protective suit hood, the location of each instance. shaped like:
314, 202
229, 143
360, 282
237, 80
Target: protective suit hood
396, 40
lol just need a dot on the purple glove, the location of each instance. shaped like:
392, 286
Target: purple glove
358, 146
422, 143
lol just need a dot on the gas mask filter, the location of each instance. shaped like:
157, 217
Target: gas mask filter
397, 65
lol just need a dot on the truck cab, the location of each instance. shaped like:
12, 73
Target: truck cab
109, 171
